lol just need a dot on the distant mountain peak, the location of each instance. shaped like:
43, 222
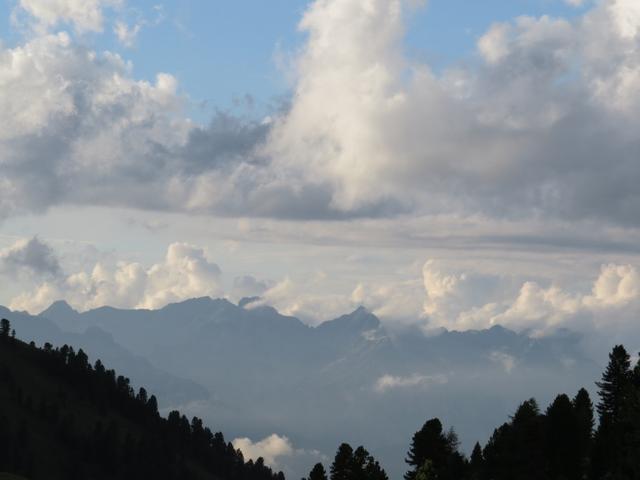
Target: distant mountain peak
201, 304
59, 307
360, 320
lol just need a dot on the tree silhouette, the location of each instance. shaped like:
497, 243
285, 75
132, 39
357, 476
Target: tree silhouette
5, 328
355, 465
431, 443
613, 453
614, 386
426, 471
476, 463
61, 418
583, 408
318, 472
342, 466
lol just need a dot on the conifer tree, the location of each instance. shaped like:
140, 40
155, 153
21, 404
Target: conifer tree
426, 471
563, 440
431, 443
318, 472
5, 327
476, 463
342, 467
583, 408
614, 386
614, 439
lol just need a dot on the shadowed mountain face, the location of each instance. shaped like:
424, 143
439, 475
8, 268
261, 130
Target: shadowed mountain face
345, 380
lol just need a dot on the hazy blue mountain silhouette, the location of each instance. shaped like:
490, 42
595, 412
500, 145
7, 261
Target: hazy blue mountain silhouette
348, 379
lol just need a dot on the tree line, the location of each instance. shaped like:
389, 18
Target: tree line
101, 428
561, 443
63, 418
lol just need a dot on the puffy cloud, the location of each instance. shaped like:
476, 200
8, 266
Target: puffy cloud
84, 15
493, 44
95, 135
306, 300
32, 256
508, 137
270, 448
543, 126
248, 286
616, 285
79, 129
390, 382
614, 300
186, 272
399, 302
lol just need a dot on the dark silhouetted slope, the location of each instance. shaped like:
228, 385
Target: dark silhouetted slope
62, 418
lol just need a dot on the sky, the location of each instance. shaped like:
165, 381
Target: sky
442, 163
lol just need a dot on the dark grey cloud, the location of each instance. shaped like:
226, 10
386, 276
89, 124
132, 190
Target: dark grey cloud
227, 140
31, 256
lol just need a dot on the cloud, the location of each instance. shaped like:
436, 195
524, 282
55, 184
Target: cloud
613, 300
84, 15
390, 382
32, 256
307, 299
126, 35
270, 448
508, 362
78, 129
440, 294
543, 125
127, 32
248, 286
185, 273
97, 136
365, 115
398, 301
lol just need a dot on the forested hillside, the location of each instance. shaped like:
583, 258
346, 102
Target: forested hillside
560, 443
63, 418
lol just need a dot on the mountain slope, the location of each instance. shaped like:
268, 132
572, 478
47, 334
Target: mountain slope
271, 373
173, 389
61, 418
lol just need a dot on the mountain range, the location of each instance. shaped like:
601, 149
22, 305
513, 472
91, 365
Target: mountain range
252, 372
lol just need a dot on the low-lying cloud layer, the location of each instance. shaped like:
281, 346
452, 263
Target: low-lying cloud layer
391, 382
542, 123
184, 273
443, 296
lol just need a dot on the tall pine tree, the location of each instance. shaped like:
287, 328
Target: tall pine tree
318, 472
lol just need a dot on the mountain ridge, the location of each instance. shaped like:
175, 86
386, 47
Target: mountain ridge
266, 371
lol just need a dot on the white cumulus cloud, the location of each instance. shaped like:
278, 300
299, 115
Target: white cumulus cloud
270, 448
84, 15
185, 273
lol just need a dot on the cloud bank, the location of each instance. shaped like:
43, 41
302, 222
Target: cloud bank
444, 296
185, 273
541, 124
